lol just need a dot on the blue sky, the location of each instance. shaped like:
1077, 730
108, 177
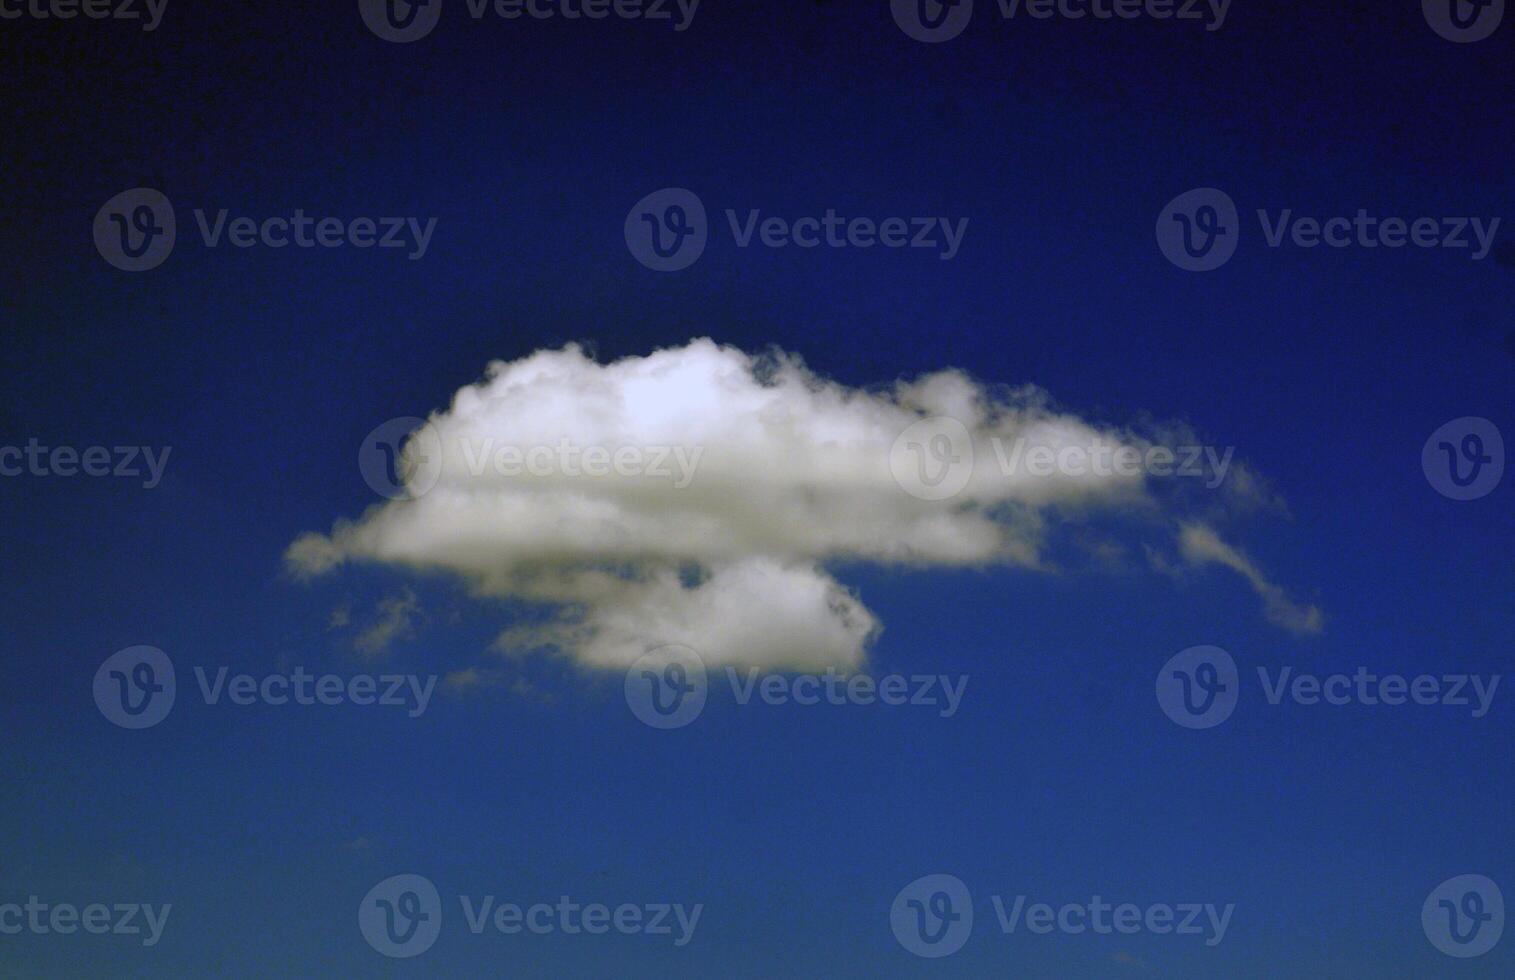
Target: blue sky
795, 827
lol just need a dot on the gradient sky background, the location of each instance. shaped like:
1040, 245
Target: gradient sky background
1059, 778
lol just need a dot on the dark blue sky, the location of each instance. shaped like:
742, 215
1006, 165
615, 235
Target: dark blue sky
528, 141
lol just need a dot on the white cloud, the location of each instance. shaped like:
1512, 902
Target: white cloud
1200, 545
769, 473
396, 619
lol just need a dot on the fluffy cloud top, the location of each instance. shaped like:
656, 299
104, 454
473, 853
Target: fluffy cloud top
697, 495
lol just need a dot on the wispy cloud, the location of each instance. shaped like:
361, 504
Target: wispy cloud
1200, 546
396, 619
